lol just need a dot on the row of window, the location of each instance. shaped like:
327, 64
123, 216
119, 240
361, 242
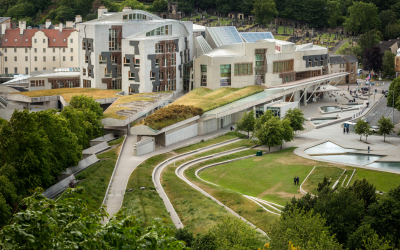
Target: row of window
283, 66
26, 70
243, 69
159, 48
161, 31
44, 40
35, 50
84, 72
136, 16
35, 59
61, 84
37, 83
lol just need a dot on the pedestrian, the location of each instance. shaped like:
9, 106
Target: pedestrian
298, 180
347, 129
295, 179
344, 130
231, 128
368, 149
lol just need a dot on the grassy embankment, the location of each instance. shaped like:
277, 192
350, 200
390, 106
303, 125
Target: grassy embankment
208, 99
342, 49
95, 179
68, 93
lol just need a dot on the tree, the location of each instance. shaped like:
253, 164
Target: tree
367, 132
373, 59
391, 30
246, 123
160, 6
263, 119
77, 124
264, 11
385, 127
388, 63
360, 127
362, 18
364, 191
82, 102
333, 13
134, 4
384, 216
368, 40
302, 230
67, 224
64, 13
296, 118
8, 199
270, 133
287, 131
394, 89
387, 17
365, 238
184, 235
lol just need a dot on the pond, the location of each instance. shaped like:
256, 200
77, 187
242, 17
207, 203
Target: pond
328, 148
320, 121
358, 159
385, 165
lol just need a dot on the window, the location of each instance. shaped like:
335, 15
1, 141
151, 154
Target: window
116, 84
26, 40
72, 58
63, 58
44, 50
63, 49
315, 62
5, 50
54, 50
309, 63
152, 75
131, 76
44, 59
203, 68
44, 40
126, 62
15, 50
243, 69
107, 73
102, 60
321, 62
6, 40
64, 40
44, 68
26, 70
26, 58
113, 43
35, 50
37, 83
89, 72
352, 77
352, 64
203, 80
159, 48
54, 40
15, 70
15, 58
225, 71
72, 50
87, 83
6, 70
160, 31
137, 63
283, 66
5, 59
35, 69
157, 63
71, 84
83, 45
71, 40
26, 50
352, 71
35, 41
54, 58
15, 40
173, 60
84, 71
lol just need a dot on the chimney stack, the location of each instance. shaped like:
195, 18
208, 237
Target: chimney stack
69, 24
101, 11
78, 19
48, 23
127, 8
22, 27
3, 28
60, 26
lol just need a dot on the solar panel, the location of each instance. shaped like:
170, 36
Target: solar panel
252, 37
225, 35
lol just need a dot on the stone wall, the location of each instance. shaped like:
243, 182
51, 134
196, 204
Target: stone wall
181, 134
145, 146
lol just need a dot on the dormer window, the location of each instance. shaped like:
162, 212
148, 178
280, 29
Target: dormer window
64, 40
6, 40
26, 40
54, 40
16, 40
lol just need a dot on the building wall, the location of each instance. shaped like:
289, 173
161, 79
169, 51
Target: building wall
352, 69
181, 134
338, 68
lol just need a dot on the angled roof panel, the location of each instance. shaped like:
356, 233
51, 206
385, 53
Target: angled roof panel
225, 35
205, 47
252, 37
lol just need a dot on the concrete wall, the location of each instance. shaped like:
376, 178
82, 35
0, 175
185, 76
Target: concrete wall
145, 146
181, 134
56, 189
82, 165
95, 149
106, 138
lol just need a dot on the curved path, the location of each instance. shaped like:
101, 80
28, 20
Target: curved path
160, 167
180, 173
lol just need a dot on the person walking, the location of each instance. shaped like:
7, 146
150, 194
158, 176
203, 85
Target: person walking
298, 180
347, 129
295, 179
231, 128
368, 149
344, 130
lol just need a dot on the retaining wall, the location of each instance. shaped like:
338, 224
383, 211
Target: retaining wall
106, 138
82, 165
145, 146
58, 188
182, 134
95, 149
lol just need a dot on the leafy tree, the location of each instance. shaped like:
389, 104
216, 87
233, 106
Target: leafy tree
394, 89
134, 4
387, 17
246, 6
160, 6
77, 124
385, 127
287, 130
296, 118
333, 13
8, 199
384, 216
367, 132
82, 102
391, 30
306, 203
67, 224
360, 127
263, 119
368, 40
364, 191
246, 123
345, 203
372, 59
205, 242
264, 11
184, 235
365, 238
362, 17
64, 14
388, 63
302, 230
270, 133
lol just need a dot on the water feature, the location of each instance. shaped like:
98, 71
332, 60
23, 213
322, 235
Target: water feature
320, 121
331, 108
385, 165
358, 159
328, 148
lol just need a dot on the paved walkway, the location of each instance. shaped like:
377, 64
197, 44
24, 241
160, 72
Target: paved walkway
338, 46
128, 163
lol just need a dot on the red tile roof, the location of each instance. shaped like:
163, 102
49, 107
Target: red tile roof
12, 38
56, 38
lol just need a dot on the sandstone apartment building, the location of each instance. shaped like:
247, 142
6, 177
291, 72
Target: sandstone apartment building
24, 50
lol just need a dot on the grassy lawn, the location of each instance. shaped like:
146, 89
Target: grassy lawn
382, 180
68, 93
342, 49
227, 136
117, 141
146, 204
281, 30
208, 99
282, 38
318, 175
95, 179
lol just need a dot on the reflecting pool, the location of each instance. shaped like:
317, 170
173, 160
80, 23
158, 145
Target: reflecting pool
328, 148
358, 159
319, 121
385, 165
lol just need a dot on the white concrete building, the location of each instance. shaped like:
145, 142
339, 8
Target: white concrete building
25, 50
135, 51
227, 58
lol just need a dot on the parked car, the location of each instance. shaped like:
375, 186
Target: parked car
374, 129
359, 71
386, 94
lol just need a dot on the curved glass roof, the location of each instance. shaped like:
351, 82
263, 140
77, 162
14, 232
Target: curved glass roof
252, 37
225, 35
